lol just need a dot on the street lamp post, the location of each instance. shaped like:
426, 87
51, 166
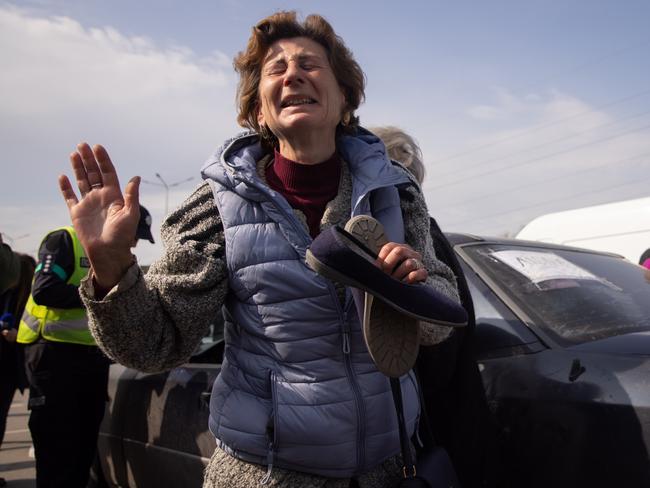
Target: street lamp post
164, 183
166, 186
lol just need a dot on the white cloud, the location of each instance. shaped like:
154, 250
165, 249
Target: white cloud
507, 105
548, 152
156, 109
62, 66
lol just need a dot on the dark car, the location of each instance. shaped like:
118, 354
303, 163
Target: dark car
155, 430
563, 345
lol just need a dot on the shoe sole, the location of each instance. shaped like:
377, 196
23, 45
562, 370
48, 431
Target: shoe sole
369, 231
392, 338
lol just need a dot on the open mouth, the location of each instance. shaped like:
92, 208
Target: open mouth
295, 102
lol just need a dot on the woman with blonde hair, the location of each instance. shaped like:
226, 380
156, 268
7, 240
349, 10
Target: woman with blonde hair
401, 147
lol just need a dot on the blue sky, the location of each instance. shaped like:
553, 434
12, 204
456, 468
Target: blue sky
521, 107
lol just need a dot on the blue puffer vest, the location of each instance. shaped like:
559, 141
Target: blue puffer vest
297, 387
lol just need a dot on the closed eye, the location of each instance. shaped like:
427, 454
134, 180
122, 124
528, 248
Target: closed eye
276, 68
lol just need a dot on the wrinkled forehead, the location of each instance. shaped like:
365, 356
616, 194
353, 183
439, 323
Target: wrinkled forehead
295, 48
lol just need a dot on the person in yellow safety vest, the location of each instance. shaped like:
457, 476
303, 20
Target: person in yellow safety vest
53, 323
67, 373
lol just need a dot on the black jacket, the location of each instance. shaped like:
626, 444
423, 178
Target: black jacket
56, 265
455, 404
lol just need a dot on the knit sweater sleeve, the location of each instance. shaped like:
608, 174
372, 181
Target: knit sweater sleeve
154, 321
418, 236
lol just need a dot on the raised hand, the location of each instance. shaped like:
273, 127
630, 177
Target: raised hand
105, 219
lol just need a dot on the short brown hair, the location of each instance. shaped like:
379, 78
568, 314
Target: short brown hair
284, 25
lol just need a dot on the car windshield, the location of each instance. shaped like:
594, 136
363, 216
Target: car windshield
574, 296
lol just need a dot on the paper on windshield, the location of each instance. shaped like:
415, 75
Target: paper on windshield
542, 266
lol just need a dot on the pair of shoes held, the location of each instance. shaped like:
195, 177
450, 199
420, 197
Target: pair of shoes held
389, 309
340, 256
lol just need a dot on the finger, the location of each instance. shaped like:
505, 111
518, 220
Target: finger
105, 165
417, 276
90, 164
384, 252
387, 259
132, 194
79, 173
67, 192
392, 255
405, 268
391, 246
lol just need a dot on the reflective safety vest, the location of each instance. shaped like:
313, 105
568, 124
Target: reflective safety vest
58, 324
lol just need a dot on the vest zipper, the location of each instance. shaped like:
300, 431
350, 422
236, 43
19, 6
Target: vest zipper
346, 337
290, 218
269, 465
358, 398
347, 360
272, 441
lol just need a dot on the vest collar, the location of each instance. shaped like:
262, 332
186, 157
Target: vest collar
370, 167
234, 165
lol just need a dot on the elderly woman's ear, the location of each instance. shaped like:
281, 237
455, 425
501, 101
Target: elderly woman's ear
346, 114
260, 116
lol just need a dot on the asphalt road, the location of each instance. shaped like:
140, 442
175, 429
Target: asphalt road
16, 465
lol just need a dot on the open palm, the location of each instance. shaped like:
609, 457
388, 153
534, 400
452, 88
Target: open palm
104, 219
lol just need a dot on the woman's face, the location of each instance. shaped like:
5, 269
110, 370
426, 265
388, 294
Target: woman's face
299, 95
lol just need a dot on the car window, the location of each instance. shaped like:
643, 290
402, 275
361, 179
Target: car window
484, 311
574, 296
214, 334
210, 349
498, 333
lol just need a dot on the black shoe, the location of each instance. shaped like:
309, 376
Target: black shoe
389, 309
340, 256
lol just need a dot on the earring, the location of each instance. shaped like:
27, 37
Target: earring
345, 121
265, 133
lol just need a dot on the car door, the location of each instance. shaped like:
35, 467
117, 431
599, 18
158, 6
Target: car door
155, 433
573, 413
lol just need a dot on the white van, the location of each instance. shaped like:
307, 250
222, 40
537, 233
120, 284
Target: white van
621, 227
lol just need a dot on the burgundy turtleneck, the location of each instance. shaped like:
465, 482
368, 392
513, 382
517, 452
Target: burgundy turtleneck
307, 187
